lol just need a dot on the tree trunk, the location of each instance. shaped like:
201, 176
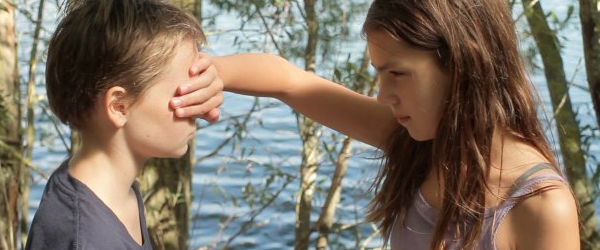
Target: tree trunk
9, 129
166, 185
31, 104
326, 219
310, 133
333, 196
568, 129
75, 141
193, 6
589, 14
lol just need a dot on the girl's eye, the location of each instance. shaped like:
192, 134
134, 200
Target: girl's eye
396, 73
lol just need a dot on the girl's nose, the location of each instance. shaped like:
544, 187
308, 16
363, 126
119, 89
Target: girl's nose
385, 96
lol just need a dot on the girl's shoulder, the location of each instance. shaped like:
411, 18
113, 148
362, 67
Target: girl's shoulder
547, 217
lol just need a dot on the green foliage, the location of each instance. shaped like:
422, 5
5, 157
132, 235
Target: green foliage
560, 25
4, 114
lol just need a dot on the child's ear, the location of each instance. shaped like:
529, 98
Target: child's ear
115, 105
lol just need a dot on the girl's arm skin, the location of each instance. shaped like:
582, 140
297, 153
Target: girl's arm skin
358, 116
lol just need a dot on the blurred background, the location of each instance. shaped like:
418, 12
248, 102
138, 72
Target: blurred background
264, 177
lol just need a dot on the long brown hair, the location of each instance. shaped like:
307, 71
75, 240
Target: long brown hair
477, 44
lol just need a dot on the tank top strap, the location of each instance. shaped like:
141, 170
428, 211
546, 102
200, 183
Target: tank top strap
521, 181
522, 186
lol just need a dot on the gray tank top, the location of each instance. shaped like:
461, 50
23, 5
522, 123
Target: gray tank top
421, 217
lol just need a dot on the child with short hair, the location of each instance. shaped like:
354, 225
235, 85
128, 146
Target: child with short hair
113, 67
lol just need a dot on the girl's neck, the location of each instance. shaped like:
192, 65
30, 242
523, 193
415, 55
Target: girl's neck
509, 153
510, 158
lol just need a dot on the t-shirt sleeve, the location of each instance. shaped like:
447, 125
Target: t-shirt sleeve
54, 224
45, 238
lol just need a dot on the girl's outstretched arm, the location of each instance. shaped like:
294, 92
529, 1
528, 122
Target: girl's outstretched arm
358, 116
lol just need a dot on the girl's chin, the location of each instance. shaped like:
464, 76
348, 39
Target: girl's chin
420, 137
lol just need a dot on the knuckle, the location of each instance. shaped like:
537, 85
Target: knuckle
194, 111
203, 96
220, 83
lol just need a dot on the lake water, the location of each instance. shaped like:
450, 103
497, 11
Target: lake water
270, 144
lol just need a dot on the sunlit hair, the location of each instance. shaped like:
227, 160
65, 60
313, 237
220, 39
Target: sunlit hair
490, 90
104, 43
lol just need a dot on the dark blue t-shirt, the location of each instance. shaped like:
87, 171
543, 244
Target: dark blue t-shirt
72, 217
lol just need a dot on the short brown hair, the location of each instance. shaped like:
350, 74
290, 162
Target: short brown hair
104, 43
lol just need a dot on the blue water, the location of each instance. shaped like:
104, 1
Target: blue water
271, 144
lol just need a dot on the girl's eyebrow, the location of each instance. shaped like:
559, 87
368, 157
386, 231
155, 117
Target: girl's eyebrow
386, 66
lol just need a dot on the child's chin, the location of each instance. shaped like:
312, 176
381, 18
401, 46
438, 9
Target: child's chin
181, 152
176, 153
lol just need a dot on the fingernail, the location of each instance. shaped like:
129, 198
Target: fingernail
176, 102
194, 70
184, 88
179, 112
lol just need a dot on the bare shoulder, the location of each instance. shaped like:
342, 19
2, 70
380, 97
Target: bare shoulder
546, 220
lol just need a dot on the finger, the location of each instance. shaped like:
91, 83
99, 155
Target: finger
198, 96
212, 116
198, 82
200, 109
201, 74
202, 62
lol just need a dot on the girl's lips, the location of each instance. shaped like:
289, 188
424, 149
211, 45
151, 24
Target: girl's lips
402, 119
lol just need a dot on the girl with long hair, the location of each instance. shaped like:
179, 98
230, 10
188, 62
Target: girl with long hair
466, 161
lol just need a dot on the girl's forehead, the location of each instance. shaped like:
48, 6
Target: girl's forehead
383, 44
387, 42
